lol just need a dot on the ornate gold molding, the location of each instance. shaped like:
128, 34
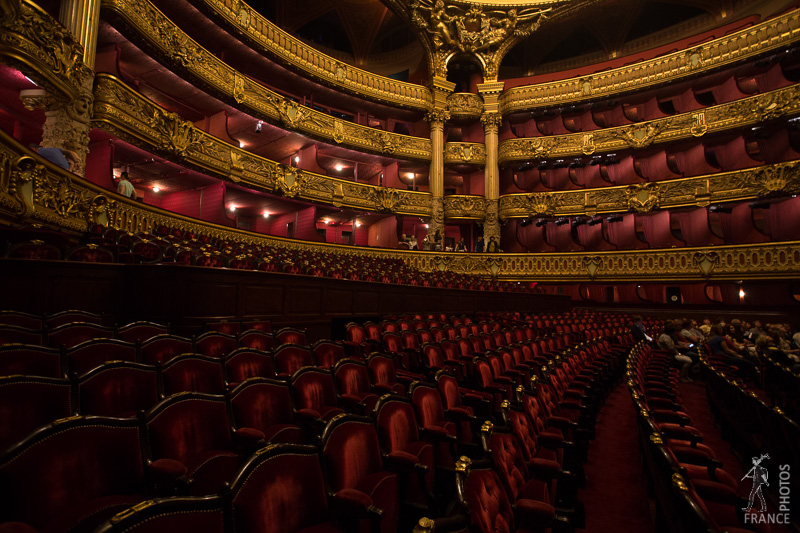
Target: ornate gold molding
738, 114
759, 182
148, 27
465, 106
267, 37
31, 40
770, 35
464, 206
128, 115
464, 153
51, 195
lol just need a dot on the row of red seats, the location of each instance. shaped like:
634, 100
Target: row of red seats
693, 492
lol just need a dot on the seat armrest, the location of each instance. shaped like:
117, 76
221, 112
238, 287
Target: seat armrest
399, 462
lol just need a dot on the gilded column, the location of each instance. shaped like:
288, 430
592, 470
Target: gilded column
491, 120
437, 117
82, 18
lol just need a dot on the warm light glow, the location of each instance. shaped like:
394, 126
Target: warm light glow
338, 167
297, 159
358, 224
328, 221
232, 208
411, 175
241, 144
741, 293
424, 225
156, 188
265, 214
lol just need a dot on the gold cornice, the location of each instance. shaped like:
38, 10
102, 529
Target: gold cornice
31, 40
269, 38
46, 193
125, 113
465, 105
464, 153
770, 35
738, 114
771, 180
151, 29
462, 206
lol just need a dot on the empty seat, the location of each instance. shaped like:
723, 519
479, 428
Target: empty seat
94, 352
162, 348
141, 331
74, 475
265, 406
28, 402
281, 490
291, 336
215, 344
200, 514
74, 333
119, 389
257, 339
353, 386
192, 373
20, 335
67, 317
355, 471
30, 360
328, 353
245, 363
314, 394
19, 319
290, 358
190, 435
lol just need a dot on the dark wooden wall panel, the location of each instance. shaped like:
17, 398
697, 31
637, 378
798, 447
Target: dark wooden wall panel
304, 300
366, 301
339, 302
263, 300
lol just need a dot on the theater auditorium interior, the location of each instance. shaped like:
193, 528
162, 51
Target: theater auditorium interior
386, 266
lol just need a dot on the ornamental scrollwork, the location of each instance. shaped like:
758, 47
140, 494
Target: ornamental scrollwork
57, 193
290, 181
491, 121
768, 181
464, 153
463, 206
592, 264
437, 116
706, 261
464, 104
643, 197
177, 135
699, 124
386, 199
641, 135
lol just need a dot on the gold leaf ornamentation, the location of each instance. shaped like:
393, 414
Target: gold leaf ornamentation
643, 197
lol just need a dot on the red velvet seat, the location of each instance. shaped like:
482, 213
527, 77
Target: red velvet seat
162, 348
436, 427
353, 386
215, 344
91, 253
28, 402
224, 326
358, 341
190, 435
74, 475
261, 325
119, 389
328, 353
68, 317
39, 251
385, 377
94, 352
281, 490
192, 373
399, 438
200, 514
72, 334
265, 405
30, 360
141, 331
314, 394
19, 335
355, 470
245, 363
20, 319
290, 358
291, 336
433, 360
257, 339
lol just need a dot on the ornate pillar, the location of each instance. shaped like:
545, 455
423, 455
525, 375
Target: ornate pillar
437, 117
67, 121
491, 120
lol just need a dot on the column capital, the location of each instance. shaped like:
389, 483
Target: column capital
491, 122
437, 116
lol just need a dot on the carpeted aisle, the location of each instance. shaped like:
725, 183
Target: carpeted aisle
615, 496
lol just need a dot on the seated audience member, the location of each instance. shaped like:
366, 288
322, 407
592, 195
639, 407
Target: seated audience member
721, 346
666, 343
690, 333
753, 333
63, 158
461, 246
765, 347
638, 330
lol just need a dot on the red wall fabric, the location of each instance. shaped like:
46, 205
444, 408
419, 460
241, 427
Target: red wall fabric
694, 227
657, 230
383, 233
100, 163
622, 234
783, 220
737, 227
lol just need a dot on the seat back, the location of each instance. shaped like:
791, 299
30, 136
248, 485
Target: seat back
489, 507
187, 426
279, 490
193, 373
246, 363
291, 357
427, 405
140, 331
229, 328
69, 335
28, 402
215, 344
396, 423
22, 320
94, 352
350, 451
68, 317
20, 335
352, 377
261, 404
313, 388
291, 336
162, 348
119, 389
200, 514
328, 353
66, 466
30, 360
257, 339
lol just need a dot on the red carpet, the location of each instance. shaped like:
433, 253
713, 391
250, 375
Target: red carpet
615, 496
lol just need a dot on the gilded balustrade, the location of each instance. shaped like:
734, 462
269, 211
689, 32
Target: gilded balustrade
149, 28
771, 35
32, 41
42, 192
269, 38
769, 180
742, 113
125, 113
